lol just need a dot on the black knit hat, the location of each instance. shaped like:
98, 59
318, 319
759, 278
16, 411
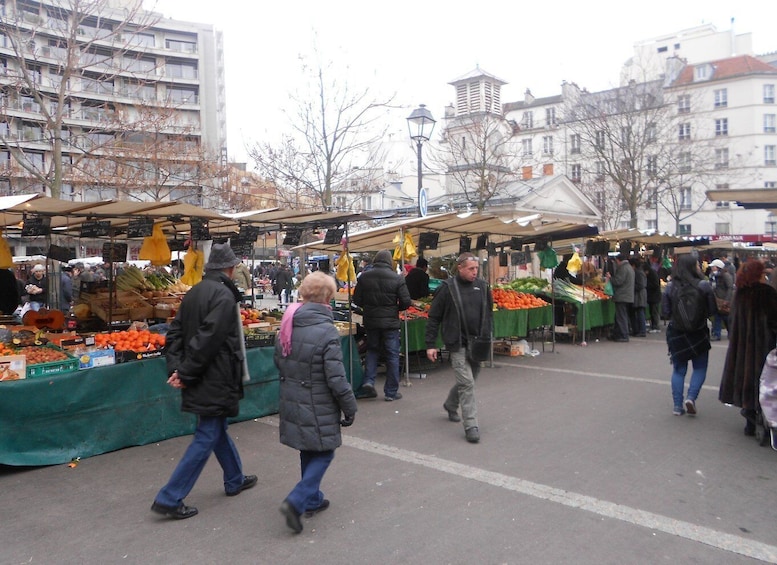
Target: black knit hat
221, 257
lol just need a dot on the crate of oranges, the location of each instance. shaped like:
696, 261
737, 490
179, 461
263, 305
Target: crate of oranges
132, 344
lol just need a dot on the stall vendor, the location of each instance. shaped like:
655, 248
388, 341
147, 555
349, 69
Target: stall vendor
37, 287
417, 280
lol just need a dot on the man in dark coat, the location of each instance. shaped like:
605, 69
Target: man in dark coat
9, 292
381, 293
283, 282
653, 287
205, 361
623, 296
464, 301
417, 280
314, 393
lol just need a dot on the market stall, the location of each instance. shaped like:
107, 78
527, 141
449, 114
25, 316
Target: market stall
54, 419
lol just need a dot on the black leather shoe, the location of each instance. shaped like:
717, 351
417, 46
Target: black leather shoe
180, 512
472, 434
311, 513
248, 482
453, 415
292, 517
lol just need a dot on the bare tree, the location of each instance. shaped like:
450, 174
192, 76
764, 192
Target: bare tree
479, 154
618, 132
336, 131
60, 49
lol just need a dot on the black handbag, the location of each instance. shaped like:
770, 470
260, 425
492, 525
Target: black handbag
478, 346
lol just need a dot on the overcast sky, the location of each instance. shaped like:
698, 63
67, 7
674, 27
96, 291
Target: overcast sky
415, 48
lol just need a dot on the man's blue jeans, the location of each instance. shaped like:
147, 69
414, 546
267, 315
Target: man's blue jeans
698, 376
717, 324
307, 494
389, 339
209, 437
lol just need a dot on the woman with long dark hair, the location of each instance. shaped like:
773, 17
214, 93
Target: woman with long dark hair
752, 334
687, 341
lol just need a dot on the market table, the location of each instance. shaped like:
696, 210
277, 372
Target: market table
52, 420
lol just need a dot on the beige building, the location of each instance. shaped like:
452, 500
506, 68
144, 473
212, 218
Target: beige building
114, 102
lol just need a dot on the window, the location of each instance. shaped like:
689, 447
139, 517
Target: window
684, 229
721, 203
577, 173
702, 72
550, 116
685, 198
29, 104
684, 133
139, 64
769, 155
144, 39
770, 184
599, 199
600, 169
547, 169
527, 120
35, 159
5, 187
721, 158
181, 70
341, 203
526, 146
652, 165
574, 143
626, 135
721, 98
547, 145
650, 132
721, 126
5, 159
366, 202
684, 162
722, 228
182, 95
684, 104
526, 173
600, 139
770, 123
768, 94
652, 225
181, 46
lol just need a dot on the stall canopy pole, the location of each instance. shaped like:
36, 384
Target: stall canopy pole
404, 323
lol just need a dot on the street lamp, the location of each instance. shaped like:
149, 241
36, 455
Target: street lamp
420, 124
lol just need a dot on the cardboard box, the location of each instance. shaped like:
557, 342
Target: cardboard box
66, 340
96, 358
509, 349
13, 367
127, 356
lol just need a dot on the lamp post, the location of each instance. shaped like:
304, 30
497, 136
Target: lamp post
420, 124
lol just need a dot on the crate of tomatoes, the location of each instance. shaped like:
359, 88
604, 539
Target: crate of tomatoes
47, 360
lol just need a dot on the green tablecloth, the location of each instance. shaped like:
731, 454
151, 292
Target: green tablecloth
595, 314
51, 420
416, 330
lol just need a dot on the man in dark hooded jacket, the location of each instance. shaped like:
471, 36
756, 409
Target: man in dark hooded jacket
205, 361
381, 293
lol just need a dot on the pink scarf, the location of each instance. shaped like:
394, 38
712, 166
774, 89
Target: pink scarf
286, 328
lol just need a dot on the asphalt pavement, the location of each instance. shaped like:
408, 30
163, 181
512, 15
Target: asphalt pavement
581, 461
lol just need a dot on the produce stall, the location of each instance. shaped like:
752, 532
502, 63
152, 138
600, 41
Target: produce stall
54, 419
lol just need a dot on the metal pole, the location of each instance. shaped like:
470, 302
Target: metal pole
420, 175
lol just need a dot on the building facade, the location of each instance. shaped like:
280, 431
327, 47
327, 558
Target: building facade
110, 102
696, 112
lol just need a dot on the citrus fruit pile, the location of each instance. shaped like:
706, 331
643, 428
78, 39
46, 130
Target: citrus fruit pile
130, 340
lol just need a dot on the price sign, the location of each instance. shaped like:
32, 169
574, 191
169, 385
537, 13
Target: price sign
249, 232
36, 225
95, 228
114, 252
241, 247
140, 227
200, 231
175, 244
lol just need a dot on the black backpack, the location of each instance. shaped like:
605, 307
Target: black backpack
689, 310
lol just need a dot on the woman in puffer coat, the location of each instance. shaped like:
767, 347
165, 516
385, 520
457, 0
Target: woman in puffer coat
314, 393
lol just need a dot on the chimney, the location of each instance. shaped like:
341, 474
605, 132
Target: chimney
528, 97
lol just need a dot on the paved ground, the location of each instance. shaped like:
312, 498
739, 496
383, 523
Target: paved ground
581, 461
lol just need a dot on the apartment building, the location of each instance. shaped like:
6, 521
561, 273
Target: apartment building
110, 102
701, 115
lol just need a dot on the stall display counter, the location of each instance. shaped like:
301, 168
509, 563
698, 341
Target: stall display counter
53, 420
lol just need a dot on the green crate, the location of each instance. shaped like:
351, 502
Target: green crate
53, 368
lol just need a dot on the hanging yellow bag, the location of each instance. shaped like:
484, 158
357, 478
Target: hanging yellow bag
6, 259
193, 264
345, 271
155, 248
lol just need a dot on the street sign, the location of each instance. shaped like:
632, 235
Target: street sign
422, 202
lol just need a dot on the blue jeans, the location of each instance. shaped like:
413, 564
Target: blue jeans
389, 340
209, 437
698, 376
307, 494
717, 324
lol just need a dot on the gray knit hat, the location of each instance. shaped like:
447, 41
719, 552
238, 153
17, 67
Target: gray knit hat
221, 257
384, 256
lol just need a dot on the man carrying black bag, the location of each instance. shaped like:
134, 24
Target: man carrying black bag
463, 307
